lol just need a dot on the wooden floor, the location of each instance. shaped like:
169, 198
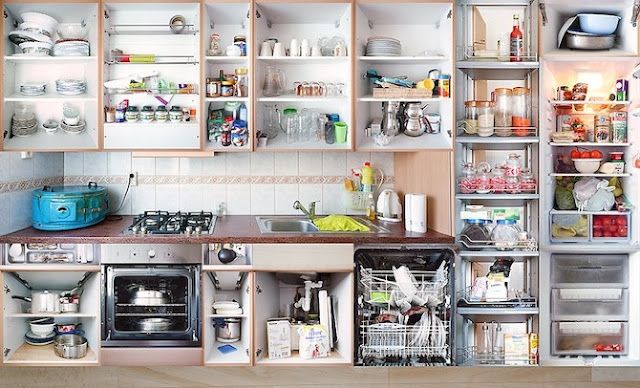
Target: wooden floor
311, 377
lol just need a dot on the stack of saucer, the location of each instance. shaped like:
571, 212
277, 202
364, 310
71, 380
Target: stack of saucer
383, 46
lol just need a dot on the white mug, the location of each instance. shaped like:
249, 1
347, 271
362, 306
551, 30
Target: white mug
316, 51
265, 49
294, 49
278, 50
305, 48
233, 51
340, 50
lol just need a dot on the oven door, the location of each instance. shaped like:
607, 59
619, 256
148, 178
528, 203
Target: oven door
151, 306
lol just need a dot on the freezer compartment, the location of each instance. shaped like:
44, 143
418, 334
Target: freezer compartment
589, 271
590, 338
576, 304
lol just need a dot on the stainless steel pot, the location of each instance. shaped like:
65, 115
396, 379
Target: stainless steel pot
68, 307
42, 301
70, 346
144, 297
227, 329
580, 41
154, 324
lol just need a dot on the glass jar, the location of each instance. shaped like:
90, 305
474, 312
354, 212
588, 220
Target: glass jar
527, 181
486, 118
241, 83
147, 115
521, 109
513, 166
498, 180
503, 114
471, 117
505, 235
227, 89
467, 184
132, 115
175, 114
291, 124
482, 179
213, 87
161, 113
241, 42
512, 185
475, 234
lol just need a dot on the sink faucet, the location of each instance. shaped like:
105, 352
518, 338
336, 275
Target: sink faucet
312, 209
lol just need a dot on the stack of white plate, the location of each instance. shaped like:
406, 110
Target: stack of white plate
33, 89
73, 129
70, 87
383, 46
71, 48
37, 28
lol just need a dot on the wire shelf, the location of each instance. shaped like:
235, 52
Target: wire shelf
382, 288
397, 340
520, 299
471, 53
472, 356
467, 129
529, 245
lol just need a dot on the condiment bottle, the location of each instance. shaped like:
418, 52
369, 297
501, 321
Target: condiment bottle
517, 41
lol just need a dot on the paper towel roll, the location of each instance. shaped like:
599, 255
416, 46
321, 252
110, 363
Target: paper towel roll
407, 211
418, 215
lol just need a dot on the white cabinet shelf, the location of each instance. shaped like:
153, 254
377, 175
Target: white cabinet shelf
61, 315
225, 99
50, 97
554, 174
280, 143
588, 144
225, 60
57, 141
298, 99
402, 60
403, 142
49, 59
303, 60
370, 98
45, 355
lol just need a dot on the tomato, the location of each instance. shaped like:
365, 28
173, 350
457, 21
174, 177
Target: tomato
607, 234
612, 228
597, 233
606, 220
622, 221
597, 221
575, 154
595, 154
585, 155
613, 220
622, 231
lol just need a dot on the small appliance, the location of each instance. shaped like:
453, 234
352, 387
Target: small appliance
388, 207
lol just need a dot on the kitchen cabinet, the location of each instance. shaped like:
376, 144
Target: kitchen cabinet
425, 31
488, 188
329, 24
172, 73
554, 14
20, 69
225, 286
16, 314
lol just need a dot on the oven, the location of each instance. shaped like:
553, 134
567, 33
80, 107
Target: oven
151, 295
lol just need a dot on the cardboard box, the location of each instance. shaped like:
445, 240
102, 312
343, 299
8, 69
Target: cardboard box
279, 338
516, 349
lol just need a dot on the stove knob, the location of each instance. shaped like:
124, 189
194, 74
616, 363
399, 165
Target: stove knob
143, 230
151, 253
188, 229
198, 229
135, 229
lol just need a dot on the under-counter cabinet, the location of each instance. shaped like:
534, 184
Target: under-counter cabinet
425, 33
37, 106
164, 60
17, 313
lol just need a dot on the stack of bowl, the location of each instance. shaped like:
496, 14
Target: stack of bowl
41, 333
34, 34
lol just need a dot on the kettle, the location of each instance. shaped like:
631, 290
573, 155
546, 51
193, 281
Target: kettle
390, 118
388, 207
414, 122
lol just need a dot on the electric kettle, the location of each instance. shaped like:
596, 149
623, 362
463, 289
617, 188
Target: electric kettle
388, 207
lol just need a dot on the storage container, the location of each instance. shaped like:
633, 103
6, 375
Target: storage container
606, 227
589, 271
576, 304
69, 207
589, 338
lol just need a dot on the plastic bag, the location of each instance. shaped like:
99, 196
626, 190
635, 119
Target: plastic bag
564, 198
314, 342
602, 200
584, 189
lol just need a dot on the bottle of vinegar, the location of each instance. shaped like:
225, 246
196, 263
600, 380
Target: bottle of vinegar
517, 41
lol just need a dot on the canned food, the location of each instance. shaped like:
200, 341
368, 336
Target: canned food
213, 87
602, 128
619, 127
226, 89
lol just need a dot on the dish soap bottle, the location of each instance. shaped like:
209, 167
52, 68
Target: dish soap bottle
370, 211
367, 177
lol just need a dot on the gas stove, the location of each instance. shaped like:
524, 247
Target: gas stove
162, 222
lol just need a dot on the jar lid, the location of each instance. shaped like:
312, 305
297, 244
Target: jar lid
506, 222
521, 90
289, 111
503, 91
239, 37
161, 107
176, 108
480, 104
228, 83
147, 108
241, 71
132, 109
477, 221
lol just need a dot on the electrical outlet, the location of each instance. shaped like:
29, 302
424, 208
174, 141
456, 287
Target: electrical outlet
26, 155
133, 178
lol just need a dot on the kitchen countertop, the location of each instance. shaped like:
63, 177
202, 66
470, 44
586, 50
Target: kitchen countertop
228, 229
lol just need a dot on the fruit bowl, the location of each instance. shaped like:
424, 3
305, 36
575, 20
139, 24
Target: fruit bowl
587, 165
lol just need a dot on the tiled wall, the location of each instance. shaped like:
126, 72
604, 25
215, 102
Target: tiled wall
18, 178
248, 183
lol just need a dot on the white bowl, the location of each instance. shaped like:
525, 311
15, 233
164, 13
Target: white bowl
72, 120
42, 330
36, 48
587, 166
72, 31
601, 24
44, 20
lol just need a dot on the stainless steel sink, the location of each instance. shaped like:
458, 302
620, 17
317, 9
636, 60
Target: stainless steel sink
294, 224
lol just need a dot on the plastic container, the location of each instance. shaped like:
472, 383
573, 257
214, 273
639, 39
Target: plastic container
367, 177
147, 115
503, 111
610, 227
600, 24
589, 304
590, 338
161, 114
475, 235
505, 235
589, 271
521, 114
132, 115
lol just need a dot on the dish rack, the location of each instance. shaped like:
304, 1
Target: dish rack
381, 286
396, 340
472, 356
519, 300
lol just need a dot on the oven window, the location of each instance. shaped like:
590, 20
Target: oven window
151, 304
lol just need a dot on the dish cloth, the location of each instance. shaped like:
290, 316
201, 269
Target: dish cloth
339, 223
225, 349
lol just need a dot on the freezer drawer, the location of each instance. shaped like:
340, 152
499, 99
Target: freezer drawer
589, 338
576, 304
589, 271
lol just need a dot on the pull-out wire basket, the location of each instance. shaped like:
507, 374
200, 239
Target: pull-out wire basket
396, 340
381, 287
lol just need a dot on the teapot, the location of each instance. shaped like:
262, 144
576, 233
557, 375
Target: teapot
414, 119
273, 81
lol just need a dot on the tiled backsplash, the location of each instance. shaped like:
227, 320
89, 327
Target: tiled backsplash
248, 183
18, 178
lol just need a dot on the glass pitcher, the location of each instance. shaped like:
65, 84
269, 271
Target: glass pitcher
273, 81
290, 124
271, 121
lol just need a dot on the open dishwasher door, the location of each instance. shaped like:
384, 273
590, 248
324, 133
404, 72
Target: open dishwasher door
403, 312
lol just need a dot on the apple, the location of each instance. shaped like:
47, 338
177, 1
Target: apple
597, 233
597, 221
575, 154
612, 228
595, 154
622, 231
622, 221
607, 234
585, 155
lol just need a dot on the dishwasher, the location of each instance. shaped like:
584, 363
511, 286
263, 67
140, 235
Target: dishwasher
403, 311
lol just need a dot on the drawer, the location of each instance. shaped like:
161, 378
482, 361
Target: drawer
578, 227
575, 304
589, 338
589, 271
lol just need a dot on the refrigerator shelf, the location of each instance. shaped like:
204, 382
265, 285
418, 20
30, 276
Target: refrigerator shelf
471, 356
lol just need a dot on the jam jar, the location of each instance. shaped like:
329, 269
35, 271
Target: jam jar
513, 185
483, 178
513, 167
505, 235
498, 180
467, 185
475, 234
527, 181
227, 88
175, 114
132, 115
147, 115
161, 114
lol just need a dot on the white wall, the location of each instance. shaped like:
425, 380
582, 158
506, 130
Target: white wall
248, 183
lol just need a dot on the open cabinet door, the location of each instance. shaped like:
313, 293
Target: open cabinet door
265, 306
479, 43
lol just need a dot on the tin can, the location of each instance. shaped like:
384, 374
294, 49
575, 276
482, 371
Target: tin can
619, 127
444, 83
602, 128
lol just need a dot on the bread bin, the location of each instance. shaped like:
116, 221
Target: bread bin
69, 207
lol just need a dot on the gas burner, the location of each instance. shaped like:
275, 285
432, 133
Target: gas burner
162, 222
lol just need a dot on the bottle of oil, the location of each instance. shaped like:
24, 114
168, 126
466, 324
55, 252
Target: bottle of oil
371, 208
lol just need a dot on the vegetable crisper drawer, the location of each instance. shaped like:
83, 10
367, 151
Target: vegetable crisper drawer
577, 304
590, 338
589, 271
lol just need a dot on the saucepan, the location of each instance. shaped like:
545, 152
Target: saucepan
70, 346
154, 324
42, 301
143, 297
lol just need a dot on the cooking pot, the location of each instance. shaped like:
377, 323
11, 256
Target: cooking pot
71, 328
67, 307
42, 302
227, 329
69, 207
70, 346
154, 324
143, 297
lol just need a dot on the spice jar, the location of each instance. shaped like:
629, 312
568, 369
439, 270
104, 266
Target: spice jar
147, 115
505, 235
503, 115
527, 182
241, 42
213, 87
471, 117
161, 113
467, 184
110, 115
513, 167
132, 115
227, 88
475, 234
521, 111
175, 114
